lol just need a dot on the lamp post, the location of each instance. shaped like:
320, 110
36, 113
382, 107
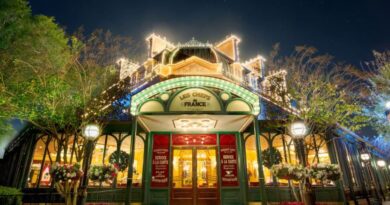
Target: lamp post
90, 132
298, 133
382, 170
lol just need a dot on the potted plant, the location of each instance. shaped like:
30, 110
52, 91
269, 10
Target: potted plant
66, 180
103, 173
291, 173
298, 173
324, 172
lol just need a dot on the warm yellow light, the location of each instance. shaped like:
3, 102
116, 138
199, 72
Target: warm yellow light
91, 131
387, 105
381, 163
365, 156
298, 129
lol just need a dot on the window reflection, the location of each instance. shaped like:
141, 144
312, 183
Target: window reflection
116, 143
69, 150
251, 161
48, 150
316, 149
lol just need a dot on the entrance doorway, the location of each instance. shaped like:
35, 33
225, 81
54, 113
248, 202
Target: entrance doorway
194, 175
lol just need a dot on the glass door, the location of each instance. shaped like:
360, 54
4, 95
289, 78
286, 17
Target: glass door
206, 176
194, 176
182, 176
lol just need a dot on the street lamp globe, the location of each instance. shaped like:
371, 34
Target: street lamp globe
387, 105
365, 156
298, 130
91, 131
381, 163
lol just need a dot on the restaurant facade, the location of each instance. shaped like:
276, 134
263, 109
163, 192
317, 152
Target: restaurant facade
192, 125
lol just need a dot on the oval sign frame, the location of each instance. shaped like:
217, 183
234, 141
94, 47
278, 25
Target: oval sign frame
195, 99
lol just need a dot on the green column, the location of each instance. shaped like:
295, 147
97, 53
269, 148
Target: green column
242, 167
131, 159
147, 168
259, 162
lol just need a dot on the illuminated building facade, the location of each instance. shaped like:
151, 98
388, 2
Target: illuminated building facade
194, 120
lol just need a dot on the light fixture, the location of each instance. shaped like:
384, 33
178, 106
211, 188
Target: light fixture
381, 163
91, 131
194, 124
298, 130
365, 156
387, 105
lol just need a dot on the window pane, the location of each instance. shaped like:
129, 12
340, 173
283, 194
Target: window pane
279, 144
182, 168
122, 175
51, 157
138, 161
317, 153
67, 150
97, 156
36, 163
111, 146
251, 161
206, 168
267, 173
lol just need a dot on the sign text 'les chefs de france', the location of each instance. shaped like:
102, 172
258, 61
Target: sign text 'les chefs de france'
195, 99
160, 161
228, 157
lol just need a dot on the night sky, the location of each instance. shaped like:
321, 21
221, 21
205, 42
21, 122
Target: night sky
349, 30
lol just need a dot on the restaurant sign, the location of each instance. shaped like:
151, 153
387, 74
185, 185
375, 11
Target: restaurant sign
195, 99
228, 157
160, 159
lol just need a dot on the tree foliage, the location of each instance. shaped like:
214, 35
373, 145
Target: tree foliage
322, 90
49, 79
376, 74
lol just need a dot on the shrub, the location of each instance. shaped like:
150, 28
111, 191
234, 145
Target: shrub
10, 196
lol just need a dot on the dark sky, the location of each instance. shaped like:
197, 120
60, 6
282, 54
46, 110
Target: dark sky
347, 29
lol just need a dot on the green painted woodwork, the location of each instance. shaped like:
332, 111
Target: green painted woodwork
195, 81
113, 195
158, 197
263, 197
279, 194
154, 196
231, 196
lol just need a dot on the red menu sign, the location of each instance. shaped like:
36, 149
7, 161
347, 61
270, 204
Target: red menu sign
160, 159
228, 155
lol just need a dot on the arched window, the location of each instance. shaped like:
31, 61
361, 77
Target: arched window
252, 165
317, 152
107, 145
281, 151
104, 147
36, 164
285, 146
48, 150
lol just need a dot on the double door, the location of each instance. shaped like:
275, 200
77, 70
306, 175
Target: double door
194, 176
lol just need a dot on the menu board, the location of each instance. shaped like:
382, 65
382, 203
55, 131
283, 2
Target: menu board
160, 160
228, 155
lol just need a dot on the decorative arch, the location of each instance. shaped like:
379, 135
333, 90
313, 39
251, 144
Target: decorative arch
195, 81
